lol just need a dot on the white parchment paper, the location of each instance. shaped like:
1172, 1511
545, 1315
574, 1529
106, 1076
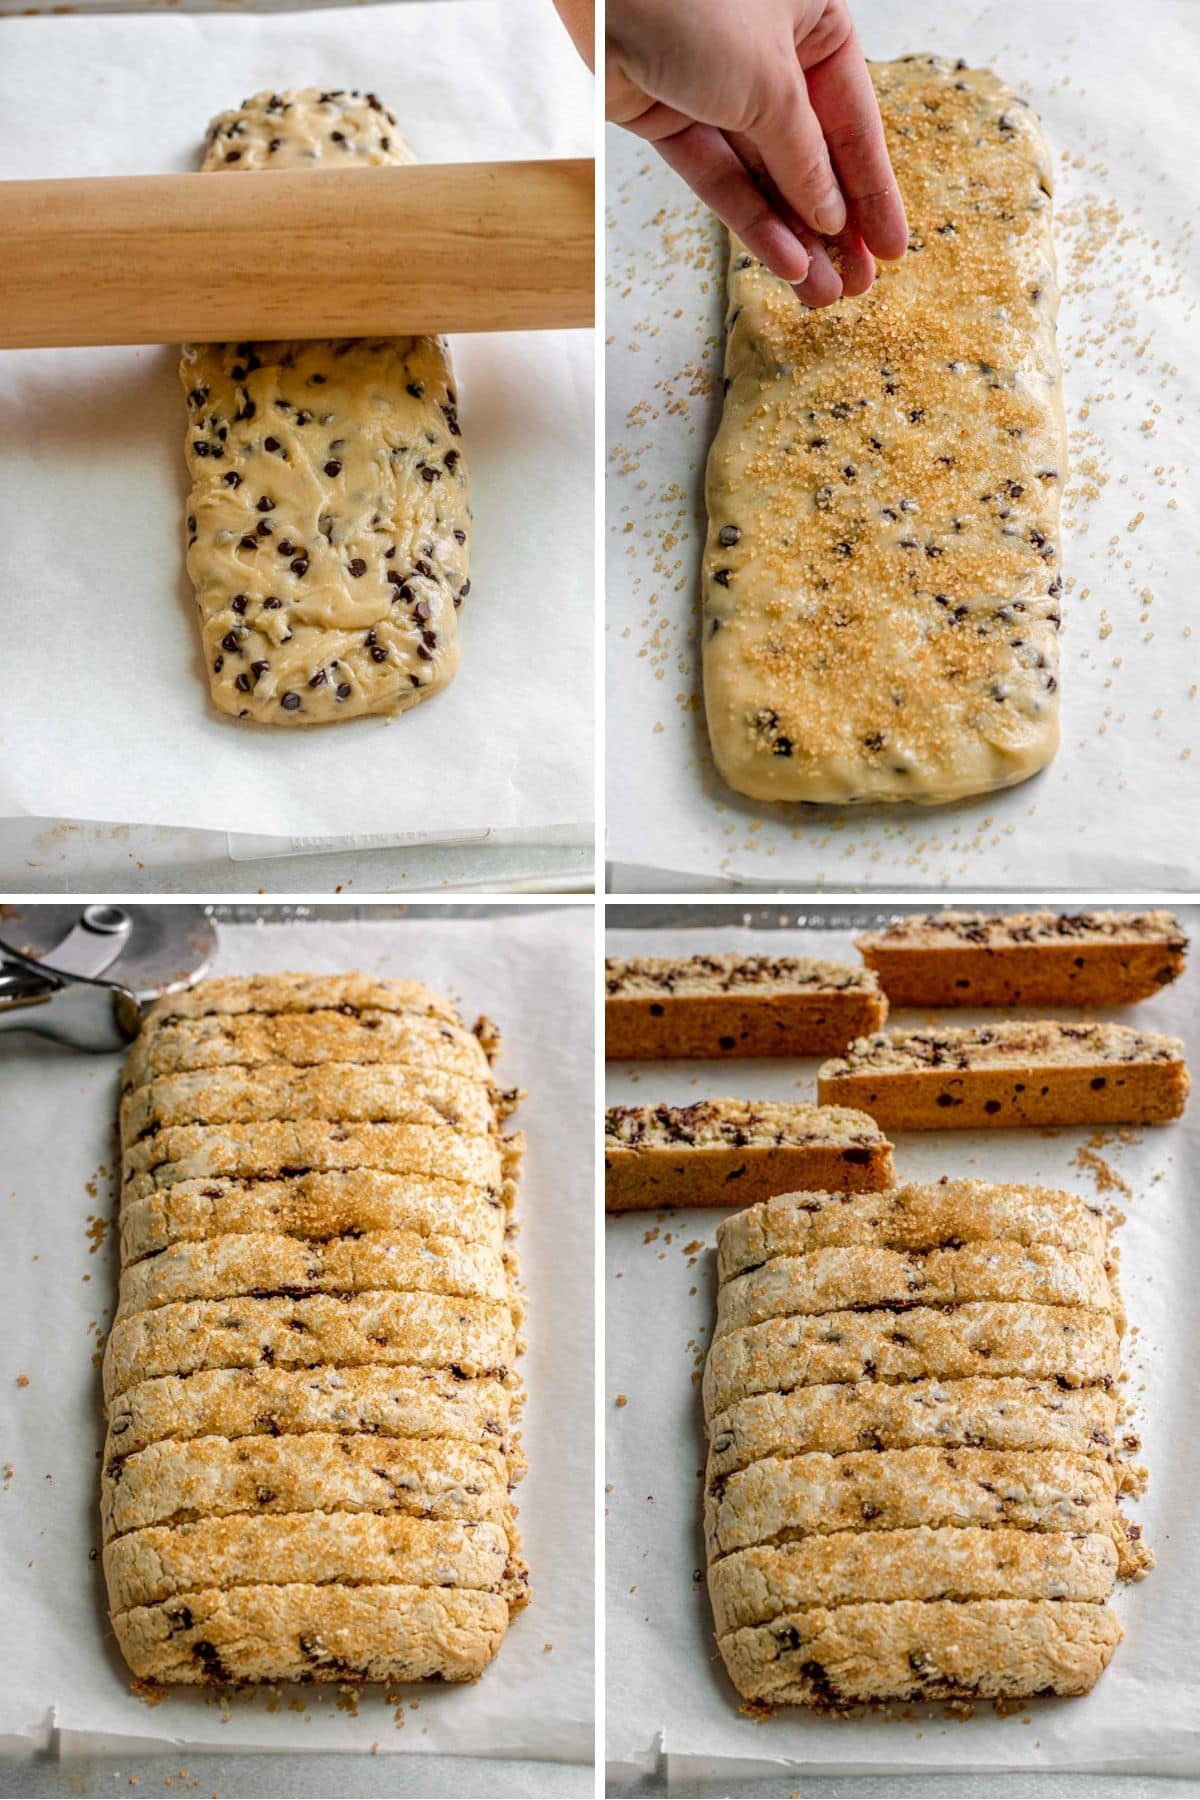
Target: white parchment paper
667, 1692
109, 717
530, 970
1117, 102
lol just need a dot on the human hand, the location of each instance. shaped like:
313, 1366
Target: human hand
766, 109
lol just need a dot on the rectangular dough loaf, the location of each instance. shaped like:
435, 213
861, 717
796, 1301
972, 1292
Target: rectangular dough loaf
330, 506
916, 1502
310, 1384
880, 581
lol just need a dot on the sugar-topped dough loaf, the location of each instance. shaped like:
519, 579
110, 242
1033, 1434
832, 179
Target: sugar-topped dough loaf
330, 507
881, 583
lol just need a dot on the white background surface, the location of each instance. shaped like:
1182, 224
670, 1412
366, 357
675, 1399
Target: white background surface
110, 720
1116, 94
669, 1702
531, 970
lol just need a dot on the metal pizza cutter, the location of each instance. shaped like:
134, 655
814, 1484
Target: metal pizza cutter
82, 975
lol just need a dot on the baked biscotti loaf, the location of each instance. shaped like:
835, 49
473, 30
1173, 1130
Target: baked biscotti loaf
728, 1152
1011, 1074
1025, 959
916, 1496
310, 1383
330, 507
881, 587
730, 1005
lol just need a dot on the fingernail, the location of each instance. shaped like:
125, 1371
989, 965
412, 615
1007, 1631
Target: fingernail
830, 214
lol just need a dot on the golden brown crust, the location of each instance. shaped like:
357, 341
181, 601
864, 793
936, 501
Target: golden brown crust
736, 1006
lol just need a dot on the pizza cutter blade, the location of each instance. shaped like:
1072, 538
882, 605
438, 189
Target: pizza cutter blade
82, 975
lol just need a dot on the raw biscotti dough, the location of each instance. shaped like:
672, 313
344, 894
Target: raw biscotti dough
916, 1497
880, 579
310, 1383
330, 505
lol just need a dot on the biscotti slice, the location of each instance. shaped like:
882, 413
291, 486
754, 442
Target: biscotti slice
284, 1146
315, 1207
894, 1490
733, 1152
881, 589
304, 1633
235, 996
836, 1657
1074, 1344
1006, 1412
914, 1216
1025, 959
148, 1566
250, 1402
425, 1330
432, 1478
343, 1092
1011, 1074
306, 1040
854, 1277
265, 1263
730, 1005
959, 1562
330, 506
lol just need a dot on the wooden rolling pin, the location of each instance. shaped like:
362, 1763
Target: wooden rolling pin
337, 253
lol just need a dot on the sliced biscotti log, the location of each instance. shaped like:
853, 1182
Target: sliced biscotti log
914, 1216
475, 1337
894, 1490
432, 1478
341, 1092
1007, 1412
1011, 1074
315, 1207
1025, 959
148, 1566
306, 1633
253, 1402
1074, 1344
733, 1152
305, 1040
731, 1005
234, 995
857, 1275
262, 1262
967, 1562
282, 1147
923, 1650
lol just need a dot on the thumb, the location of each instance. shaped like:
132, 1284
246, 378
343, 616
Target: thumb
790, 140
